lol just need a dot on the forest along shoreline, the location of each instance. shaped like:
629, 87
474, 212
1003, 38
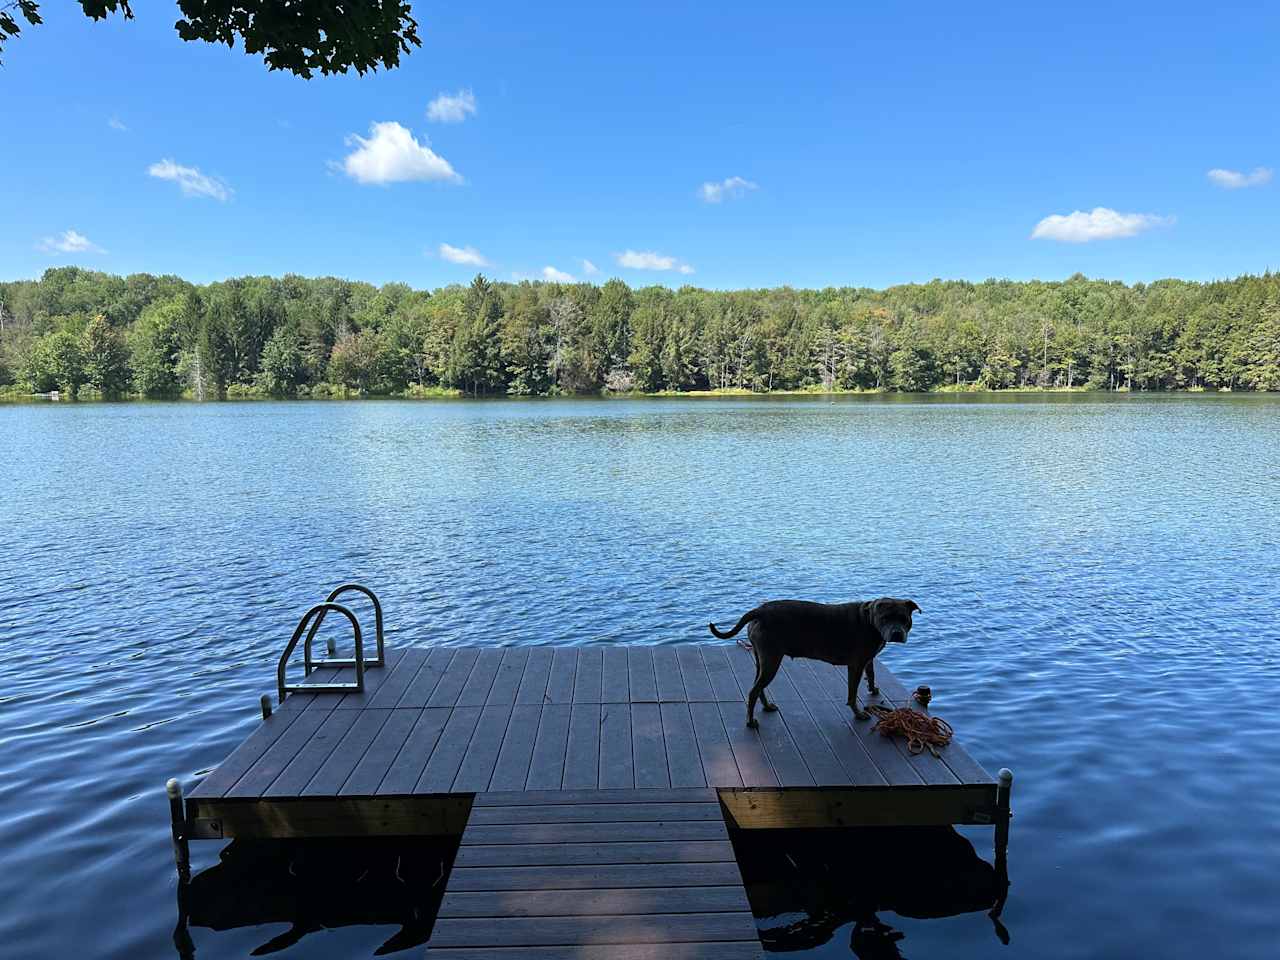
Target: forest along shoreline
92, 335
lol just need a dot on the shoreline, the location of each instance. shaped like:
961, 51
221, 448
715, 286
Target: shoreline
15, 399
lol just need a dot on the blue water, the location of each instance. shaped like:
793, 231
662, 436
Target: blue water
1098, 578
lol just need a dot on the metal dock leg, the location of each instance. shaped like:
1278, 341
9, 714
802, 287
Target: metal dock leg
1003, 815
1002, 852
178, 820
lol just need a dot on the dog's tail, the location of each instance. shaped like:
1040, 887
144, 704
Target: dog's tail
746, 618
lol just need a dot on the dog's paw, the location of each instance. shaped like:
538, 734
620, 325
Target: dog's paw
874, 691
753, 724
861, 715
770, 707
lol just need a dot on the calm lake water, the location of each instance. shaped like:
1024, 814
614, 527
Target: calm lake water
1098, 578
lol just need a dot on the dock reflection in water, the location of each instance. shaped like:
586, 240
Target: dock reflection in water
803, 885
315, 885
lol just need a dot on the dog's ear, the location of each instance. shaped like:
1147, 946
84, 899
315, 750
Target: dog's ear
911, 605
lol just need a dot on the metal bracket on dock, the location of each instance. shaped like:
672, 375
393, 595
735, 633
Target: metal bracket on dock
203, 828
358, 662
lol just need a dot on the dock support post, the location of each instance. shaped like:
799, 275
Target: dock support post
178, 821
1003, 816
266, 706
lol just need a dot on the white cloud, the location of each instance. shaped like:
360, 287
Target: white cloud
453, 108
392, 154
468, 256
70, 241
731, 188
557, 276
1098, 224
589, 268
1234, 179
191, 181
115, 123
648, 260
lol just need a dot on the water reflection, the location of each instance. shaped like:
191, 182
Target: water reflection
315, 885
805, 884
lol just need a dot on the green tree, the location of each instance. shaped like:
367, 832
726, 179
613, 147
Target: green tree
912, 369
105, 358
571, 365
649, 323
155, 345
405, 339
829, 348
355, 361
527, 342
283, 365
444, 318
680, 347
610, 319
55, 363
1262, 371
301, 36
475, 361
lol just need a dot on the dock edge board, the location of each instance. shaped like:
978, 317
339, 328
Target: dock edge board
751, 808
296, 817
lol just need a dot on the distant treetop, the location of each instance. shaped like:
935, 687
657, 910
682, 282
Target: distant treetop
300, 36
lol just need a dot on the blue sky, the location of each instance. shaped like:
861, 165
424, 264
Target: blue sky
862, 144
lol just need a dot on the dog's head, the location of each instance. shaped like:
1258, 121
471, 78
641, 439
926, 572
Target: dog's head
892, 617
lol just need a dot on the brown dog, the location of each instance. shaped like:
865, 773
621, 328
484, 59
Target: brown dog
845, 634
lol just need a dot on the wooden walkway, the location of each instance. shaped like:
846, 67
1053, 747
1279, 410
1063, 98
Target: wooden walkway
595, 875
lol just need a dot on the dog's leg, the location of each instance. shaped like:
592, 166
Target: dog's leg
767, 665
871, 678
855, 678
768, 670
759, 670
754, 638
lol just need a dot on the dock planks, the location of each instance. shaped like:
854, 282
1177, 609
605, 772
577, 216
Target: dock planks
449, 722
612, 875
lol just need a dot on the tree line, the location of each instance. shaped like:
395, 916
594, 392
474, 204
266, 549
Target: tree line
89, 333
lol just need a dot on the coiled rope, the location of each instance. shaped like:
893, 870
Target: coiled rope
920, 730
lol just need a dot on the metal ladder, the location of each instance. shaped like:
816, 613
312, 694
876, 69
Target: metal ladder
314, 618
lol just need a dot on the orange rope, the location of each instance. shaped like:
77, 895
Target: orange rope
919, 729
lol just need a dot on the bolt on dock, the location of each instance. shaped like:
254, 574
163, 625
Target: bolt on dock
591, 788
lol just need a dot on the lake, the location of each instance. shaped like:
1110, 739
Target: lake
1097, 575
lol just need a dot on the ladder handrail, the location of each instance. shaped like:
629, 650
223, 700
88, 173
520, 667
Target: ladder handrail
320, 609
377, 661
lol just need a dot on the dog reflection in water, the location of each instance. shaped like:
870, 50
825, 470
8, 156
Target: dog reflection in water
874, 940
802, 892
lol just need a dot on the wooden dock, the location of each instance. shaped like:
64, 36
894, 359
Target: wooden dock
590, 786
